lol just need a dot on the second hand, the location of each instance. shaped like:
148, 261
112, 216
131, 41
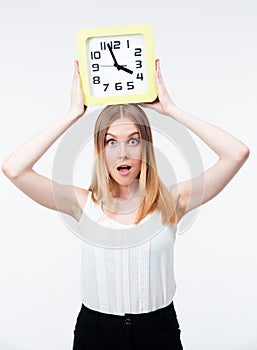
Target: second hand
111, 65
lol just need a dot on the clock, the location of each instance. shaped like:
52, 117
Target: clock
117, 64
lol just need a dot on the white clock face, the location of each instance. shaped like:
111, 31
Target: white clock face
117, 65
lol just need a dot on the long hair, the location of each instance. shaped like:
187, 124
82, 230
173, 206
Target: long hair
153, 193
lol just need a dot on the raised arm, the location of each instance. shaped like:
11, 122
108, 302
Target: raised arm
18, 167
232, 153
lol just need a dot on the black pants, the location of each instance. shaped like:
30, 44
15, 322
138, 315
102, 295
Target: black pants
155, 330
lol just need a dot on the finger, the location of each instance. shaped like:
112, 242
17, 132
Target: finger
76, 69
77, 66
157, 63
149, 104
76, 76
143, 105
158, 69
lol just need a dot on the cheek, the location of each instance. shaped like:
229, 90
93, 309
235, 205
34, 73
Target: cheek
109, 158
137, 154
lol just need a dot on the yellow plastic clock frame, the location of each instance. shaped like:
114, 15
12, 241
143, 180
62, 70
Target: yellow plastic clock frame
84, 34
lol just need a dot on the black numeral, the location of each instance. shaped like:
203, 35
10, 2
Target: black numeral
95, 67
118, 86
140, 76
138, 51
130, 85
95, 55
103, 45
138, 64
128, 44
105, 86
115, 44
96, 80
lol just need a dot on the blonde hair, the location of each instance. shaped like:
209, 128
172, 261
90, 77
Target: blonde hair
153, 193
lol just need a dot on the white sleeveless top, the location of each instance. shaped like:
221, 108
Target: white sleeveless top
135, 279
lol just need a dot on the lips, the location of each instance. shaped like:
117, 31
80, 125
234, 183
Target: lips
124, 169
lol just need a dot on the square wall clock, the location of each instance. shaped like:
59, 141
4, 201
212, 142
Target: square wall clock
117, 64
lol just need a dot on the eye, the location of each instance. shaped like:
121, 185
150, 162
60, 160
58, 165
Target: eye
134, 141
111, 142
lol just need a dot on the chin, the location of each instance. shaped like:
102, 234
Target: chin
124, 180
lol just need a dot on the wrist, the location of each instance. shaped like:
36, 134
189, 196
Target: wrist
171, 110
74, 114
179, 115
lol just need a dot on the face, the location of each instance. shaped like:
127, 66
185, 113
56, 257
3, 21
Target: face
123, 151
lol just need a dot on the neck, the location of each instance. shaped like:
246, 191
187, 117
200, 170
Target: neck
124, 193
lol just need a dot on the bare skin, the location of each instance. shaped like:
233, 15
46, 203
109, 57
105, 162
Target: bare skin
231, 152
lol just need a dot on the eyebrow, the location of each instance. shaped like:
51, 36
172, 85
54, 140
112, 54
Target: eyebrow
133, 133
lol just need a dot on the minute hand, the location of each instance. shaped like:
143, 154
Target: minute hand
119, 67
114, 59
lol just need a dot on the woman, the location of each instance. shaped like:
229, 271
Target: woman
125, 190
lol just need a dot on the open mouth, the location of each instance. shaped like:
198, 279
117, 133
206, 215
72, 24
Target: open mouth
124, 170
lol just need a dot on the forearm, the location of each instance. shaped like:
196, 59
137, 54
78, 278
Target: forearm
25, 156
221, 142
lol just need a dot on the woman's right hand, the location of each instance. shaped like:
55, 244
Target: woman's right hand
164, 103
77, 106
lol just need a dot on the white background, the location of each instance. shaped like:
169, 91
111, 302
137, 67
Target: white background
208, 57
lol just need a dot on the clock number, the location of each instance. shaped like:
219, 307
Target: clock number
95, 55
138, 64
139, 76
115, 44
128, 44
105, 86
118, 86
130, 85
96, 80
95, 67
138, 51
103, 45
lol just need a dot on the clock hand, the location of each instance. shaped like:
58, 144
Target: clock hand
114, 59
111, 65
125, 69
119, 67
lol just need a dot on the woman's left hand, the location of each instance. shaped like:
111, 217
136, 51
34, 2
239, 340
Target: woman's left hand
163, 104
77, 106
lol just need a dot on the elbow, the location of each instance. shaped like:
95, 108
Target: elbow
8, 171
5, 169
243, 154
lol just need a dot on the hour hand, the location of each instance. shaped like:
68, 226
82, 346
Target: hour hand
119, 67
125, 69
114, 59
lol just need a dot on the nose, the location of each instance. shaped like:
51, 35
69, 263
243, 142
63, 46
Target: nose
123, 150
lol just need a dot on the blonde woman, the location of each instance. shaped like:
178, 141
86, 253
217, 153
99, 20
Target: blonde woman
124, 308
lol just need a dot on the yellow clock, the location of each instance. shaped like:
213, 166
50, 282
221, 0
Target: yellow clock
117, 64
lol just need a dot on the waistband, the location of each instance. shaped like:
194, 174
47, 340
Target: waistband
147, 318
